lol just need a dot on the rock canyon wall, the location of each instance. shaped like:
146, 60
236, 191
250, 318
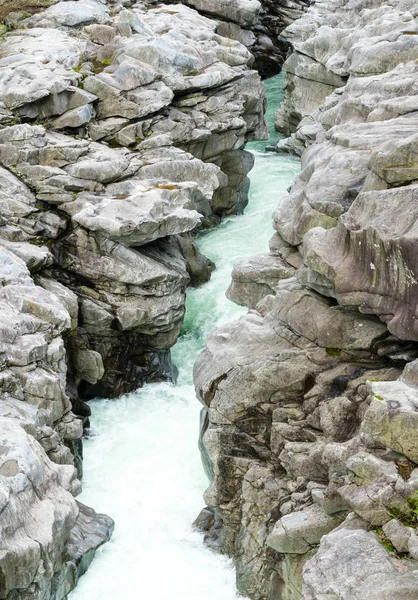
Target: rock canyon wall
311, 432
121, 132
256, 24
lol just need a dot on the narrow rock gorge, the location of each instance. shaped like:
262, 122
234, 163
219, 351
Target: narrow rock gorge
122, 131
128, 131
311, 398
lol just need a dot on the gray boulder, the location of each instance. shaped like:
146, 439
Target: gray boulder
256, 277
298, 532
351, 564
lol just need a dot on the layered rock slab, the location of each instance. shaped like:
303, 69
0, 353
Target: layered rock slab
335, 41
40, 439
264, 380
148, 110
257, 25
369, 570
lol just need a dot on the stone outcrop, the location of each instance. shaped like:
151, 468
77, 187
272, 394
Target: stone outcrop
270, 48
311, 397
369, 570
338, 43
121, 133
256, 277
39, 441
131, 135
257, 24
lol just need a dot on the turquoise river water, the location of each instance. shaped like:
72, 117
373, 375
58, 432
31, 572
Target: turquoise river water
142, 465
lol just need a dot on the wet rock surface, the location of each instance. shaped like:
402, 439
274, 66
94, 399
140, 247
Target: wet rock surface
311, 397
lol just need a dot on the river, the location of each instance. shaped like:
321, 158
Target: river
141, 464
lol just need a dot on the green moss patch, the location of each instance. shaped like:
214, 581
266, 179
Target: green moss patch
333, 351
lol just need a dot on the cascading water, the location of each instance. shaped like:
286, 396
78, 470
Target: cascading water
141, 464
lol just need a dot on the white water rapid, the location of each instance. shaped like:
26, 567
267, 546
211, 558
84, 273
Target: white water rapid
142, 465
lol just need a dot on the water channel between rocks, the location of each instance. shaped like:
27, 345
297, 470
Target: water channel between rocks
142, 465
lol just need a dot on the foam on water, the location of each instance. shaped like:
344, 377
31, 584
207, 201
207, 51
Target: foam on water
141, 464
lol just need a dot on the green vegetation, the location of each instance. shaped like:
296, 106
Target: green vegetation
99, 65
38, 241
386, 543
408, 514
413, 505
78, 67
333, 351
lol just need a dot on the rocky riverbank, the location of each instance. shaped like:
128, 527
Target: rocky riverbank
256, 24
311, 430
121, 132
